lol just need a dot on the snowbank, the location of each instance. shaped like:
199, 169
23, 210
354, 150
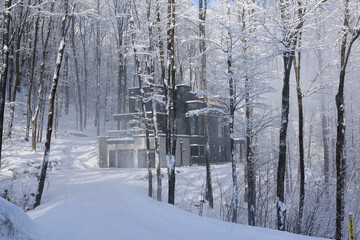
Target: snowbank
15, 224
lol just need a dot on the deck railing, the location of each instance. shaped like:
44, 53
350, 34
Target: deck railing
127, 133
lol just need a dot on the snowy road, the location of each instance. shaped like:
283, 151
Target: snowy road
110, 204
83, 202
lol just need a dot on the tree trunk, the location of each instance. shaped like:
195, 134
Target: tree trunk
34, 118
250, 175
202, 47
107, 91
10, 72
250, 161
121, 78
143, 108
66, 83
83, 41
326, 142
297, 67
30, 82
281, 207
154, 104
124, 89
232, 96
171, 76
78, 88
120, 85
56, 121
120, 28
234, 200
325, 133
290, 39
345, 50
310, 141
98, 65
18, 66
162, 81
340, 156
51, 108
4, 67
42, 114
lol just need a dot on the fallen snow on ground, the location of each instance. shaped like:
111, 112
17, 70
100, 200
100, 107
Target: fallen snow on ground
15, 224
83, 202
112, 204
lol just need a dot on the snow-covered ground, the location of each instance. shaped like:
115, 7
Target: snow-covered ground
15, 224
81, 201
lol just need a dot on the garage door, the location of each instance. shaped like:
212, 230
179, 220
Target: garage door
125, 158
143, 159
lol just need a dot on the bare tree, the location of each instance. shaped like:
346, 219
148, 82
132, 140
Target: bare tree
350, 34
150, 62
66, 84
31, 80
51, 106
98, 68
171, 86
144, 118
4, 66
297, 67
20, 30
289, 41
121, 9
77, 74
40, 100
202, 48
83, 34
162, 81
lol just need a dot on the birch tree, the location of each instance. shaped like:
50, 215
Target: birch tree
170, 85
228, 94
155, 98
141, 83
202, 48
160, 49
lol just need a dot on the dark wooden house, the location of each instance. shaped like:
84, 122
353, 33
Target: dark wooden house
125, 146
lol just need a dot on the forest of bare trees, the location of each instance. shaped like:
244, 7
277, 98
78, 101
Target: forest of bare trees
285, 71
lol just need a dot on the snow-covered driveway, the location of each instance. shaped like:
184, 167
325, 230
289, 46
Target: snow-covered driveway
110, 204
83, 202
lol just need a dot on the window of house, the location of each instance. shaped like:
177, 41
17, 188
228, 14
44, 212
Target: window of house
192, 125
111, 158
222, 131
201, 151
193, 151
197, 151
197, 125
219, 130
200, 121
